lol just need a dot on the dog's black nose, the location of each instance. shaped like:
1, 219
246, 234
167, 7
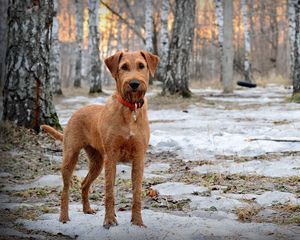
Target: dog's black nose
134, 84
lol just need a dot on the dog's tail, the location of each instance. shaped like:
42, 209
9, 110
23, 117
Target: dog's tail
54, 133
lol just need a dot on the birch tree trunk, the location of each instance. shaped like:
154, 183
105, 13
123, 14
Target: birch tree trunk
27, 96
176, 79
164, 41
149, 25
247, 43
79, 41
274, 35
227, 57
119, 30
294, 30
55, 79
220, 25
3, 35
94, 75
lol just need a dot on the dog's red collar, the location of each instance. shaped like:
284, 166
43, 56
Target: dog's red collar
131, 106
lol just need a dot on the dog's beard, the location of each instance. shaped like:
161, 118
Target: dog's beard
134, 96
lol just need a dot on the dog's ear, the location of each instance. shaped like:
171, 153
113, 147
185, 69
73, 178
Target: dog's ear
112, 63
152, 61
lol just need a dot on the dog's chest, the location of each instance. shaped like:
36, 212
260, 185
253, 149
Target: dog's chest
131, 140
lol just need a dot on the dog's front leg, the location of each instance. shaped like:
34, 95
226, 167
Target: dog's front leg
137, 179
110, 175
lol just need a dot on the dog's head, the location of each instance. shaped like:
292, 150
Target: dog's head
131, 71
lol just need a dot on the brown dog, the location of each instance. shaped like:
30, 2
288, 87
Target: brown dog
117, 131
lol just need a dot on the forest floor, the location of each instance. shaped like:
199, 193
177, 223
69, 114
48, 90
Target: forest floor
218, 166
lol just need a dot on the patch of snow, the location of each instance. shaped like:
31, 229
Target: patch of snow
205, 132
221, 203
268, 198
44, 181
53, 157
14, 206
178, 188
285, 167
81, 173
275, 197
160, 225
124, 172
5, 175
158, 167
242, 101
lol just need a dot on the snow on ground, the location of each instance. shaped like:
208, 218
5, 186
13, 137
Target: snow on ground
285, 167
204, 132
201, 133
177, 188
159, 226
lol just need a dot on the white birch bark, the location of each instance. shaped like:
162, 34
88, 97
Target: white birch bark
294, 31
227, 58
79, 43
27, 99
119, 35
220, 26
177, 78
149, 25
94, 74
55, 79
247, 43
164, 40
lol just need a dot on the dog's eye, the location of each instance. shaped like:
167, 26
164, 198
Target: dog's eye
141, 66
125, 67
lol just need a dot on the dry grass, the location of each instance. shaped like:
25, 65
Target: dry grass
216, 84
287, 208
272, 78
175, 101
246, 214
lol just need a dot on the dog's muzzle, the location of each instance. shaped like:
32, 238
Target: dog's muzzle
134, 84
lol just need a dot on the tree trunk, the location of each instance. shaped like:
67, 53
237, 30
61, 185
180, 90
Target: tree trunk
3, 42
176, 79
27, 96
149, 30
274, 36
119, 30
220, 24
164, 41
79, 41
94, 75
227, 57
149, 25
294, 9
55, 79
247, 43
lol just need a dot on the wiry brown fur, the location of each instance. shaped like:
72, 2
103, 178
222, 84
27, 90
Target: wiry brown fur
109, 134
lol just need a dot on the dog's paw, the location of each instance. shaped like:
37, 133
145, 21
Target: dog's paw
110, 222
64, 219
138, 222
89, 211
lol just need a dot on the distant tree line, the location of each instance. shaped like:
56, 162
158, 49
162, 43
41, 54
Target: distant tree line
195, 40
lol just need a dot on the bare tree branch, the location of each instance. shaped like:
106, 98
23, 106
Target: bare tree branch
132, 15
136, 31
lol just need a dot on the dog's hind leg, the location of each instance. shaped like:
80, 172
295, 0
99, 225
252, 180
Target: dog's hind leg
95, 167
69, 162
